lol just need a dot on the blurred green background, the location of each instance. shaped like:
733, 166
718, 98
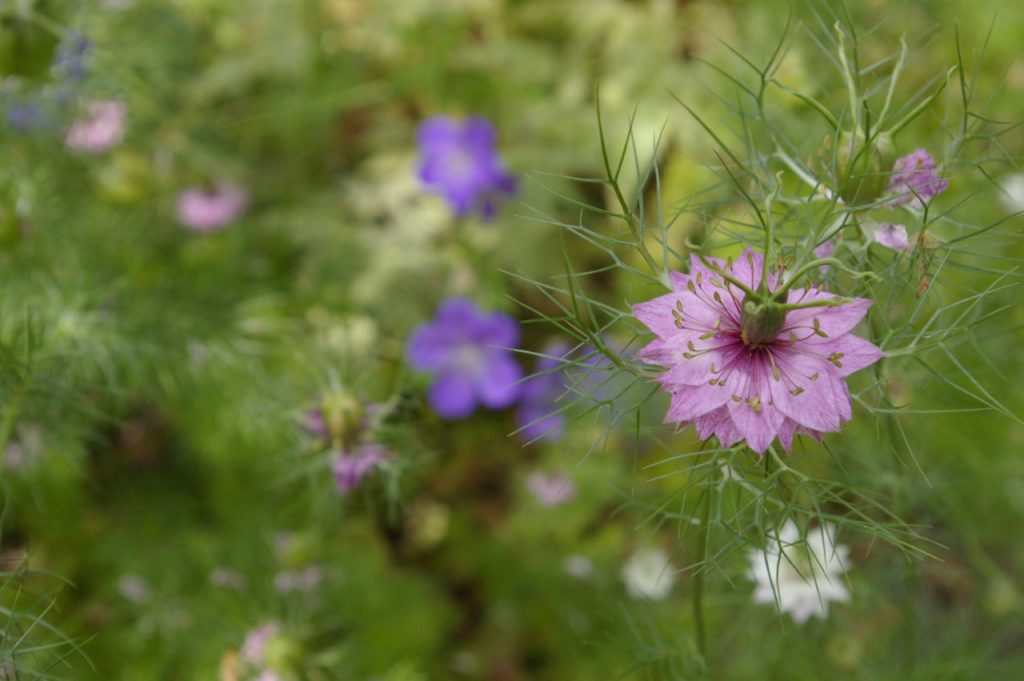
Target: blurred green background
161, 499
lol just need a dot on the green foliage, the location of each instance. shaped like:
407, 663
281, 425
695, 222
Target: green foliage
156, 382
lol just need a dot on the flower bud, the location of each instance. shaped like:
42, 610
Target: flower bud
862, 167
343, 416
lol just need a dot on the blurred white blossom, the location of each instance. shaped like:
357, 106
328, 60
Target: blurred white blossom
802, 576
649, 574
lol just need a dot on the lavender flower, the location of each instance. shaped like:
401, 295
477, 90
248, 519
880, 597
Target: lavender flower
101, 129
740, 368
467, 351
914, 179
537, 416
458, 161
892, 236
208, 208
351, 468
550, 490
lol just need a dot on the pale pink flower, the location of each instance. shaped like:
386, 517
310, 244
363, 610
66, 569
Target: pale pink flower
914, 179
208, 208
254, 648
550, 490
102, 127
892, 236
740, 368
825, 250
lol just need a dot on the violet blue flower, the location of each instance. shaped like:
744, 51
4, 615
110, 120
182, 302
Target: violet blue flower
101, 129
892, 236
914, 179
26, 114
550, 490
738, 375
351, 468
70, 60
468, 352
537, 417
459, 162
208, 208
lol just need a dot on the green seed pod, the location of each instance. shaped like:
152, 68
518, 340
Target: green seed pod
343, 416
862, 167
760, 322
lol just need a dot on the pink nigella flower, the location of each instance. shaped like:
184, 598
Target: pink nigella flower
208, 208
914, 179
101, 129
351, 468
741, 365
550, 490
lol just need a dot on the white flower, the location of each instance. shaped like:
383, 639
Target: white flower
649, 574
578, 566
1012, 195
801, 576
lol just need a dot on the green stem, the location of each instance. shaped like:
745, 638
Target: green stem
699, 578
732, 280
779, 293
10, 417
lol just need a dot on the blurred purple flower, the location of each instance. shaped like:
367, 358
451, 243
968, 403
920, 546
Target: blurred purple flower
70, 61
101, 129
351, 468
537, 417
468, 352
550, 490
315, 424
209, 208
914, 179
892, 236
24, 114
458, 161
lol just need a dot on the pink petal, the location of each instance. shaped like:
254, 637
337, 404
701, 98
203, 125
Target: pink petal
693, 401
832, 321
804, 392
753, 414
856, 353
